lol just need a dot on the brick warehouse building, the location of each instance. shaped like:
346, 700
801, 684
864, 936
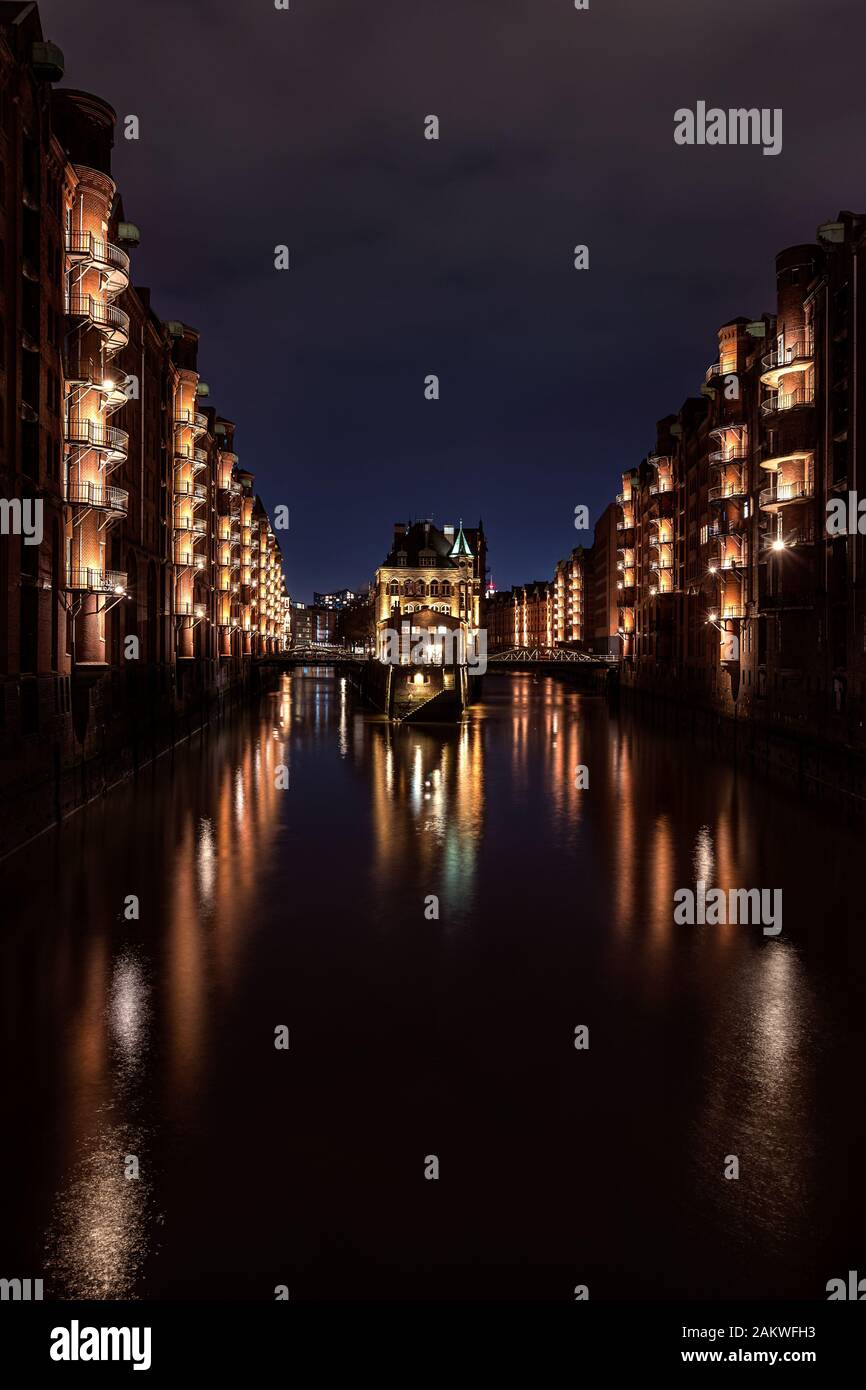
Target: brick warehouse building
733, 593
577, 608
150, 528
713, 574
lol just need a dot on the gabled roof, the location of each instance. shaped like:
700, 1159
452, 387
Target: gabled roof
422, 536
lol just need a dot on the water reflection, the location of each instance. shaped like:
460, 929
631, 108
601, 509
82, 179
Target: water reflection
98, 1232
428, 808
263, 897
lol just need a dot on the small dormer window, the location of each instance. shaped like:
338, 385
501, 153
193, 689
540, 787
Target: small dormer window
401, 557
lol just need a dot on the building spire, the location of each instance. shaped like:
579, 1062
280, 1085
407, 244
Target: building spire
461, 544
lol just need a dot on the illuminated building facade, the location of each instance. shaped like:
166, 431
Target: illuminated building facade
571, 597
301, 624
340, 598
603, 609
427, 605
141, 598
523, 616
534, 610
626, 584
734, 592
433, 577
579, 607
500, 616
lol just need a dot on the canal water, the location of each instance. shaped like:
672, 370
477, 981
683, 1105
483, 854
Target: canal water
301, 898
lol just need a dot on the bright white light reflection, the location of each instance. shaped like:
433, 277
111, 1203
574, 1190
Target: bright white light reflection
127, 1007
206, 861
704, 858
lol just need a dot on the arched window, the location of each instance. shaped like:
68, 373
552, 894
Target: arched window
446, 589
394, 587
434, 588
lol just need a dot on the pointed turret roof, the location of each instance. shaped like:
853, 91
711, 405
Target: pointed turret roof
461, 544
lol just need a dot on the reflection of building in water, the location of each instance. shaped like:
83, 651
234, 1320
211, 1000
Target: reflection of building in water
545, 731
215, 874
213, 834
428, 806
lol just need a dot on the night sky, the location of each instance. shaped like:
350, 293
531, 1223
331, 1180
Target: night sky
411, 257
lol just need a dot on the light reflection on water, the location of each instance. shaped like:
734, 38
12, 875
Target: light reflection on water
306, 905
102, 1223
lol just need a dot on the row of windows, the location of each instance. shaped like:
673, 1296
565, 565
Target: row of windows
421, 590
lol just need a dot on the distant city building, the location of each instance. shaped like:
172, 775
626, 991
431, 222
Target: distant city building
339, 599
534, 610
324, 625
522, 616
558, 612
302, 624
500, 620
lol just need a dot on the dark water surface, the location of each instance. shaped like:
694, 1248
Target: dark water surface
412, 1037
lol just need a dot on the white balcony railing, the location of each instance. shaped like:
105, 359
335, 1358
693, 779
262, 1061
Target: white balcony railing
96, 581
728, 490
90, 434
786, 492
106, 499
104, 255
800, 351
788, 400
112, 322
